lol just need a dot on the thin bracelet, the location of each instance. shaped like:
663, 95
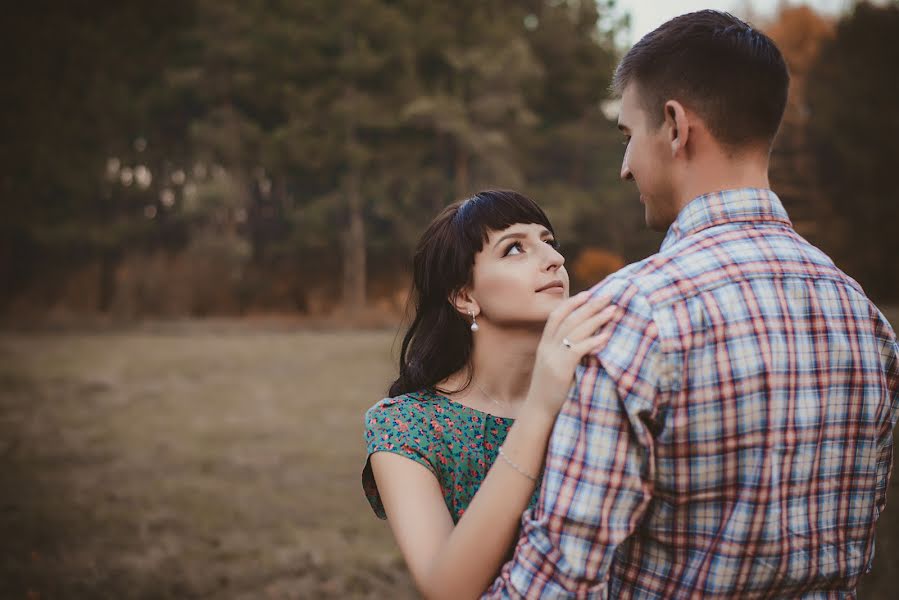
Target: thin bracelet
514, 466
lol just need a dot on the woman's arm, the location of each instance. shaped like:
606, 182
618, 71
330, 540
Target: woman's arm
462, 561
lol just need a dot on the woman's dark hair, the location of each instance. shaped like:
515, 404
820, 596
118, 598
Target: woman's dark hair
731, 75
438, 342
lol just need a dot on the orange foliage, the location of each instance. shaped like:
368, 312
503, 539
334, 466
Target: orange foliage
799, 32
595, 264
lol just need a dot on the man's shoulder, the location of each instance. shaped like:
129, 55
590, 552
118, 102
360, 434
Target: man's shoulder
635, 284
713, 258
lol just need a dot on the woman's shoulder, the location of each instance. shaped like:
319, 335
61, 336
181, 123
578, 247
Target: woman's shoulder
411, 403
424, 412
400, 425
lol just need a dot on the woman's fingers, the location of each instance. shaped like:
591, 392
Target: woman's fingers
561, 312
591, 323
582, 313
591, 344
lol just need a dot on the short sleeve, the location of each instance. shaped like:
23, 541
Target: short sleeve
398, 425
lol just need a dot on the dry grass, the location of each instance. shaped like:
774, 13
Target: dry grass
198, 463
204, 460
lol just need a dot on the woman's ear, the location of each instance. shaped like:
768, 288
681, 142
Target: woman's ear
678, 124
464, 303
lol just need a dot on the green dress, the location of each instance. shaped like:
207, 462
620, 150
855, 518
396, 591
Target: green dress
458, 444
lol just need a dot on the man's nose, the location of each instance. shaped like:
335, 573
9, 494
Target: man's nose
626, 171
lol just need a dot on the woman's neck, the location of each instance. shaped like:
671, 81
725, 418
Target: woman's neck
503, 361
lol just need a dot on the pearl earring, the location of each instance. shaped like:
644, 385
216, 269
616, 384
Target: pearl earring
474, 323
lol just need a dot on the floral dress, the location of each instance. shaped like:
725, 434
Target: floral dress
458, 444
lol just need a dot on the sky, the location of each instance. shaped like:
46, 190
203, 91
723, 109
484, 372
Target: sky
646, 15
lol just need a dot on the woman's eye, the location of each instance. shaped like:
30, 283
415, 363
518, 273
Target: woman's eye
516, 246
553, 242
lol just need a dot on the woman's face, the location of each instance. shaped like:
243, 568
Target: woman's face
519, 277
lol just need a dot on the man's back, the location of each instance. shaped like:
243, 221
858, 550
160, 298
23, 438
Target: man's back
774, 426
732, 438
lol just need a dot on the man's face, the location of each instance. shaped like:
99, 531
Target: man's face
647, 160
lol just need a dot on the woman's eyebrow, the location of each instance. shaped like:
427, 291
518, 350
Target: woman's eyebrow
517, 235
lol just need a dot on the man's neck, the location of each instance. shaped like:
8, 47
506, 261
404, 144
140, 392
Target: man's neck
720, 174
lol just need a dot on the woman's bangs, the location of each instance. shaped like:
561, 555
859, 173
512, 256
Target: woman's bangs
494, 211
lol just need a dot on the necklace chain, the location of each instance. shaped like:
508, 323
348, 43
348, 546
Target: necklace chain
489, 397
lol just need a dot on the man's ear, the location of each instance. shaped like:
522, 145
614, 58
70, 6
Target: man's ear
677, 124
464, 303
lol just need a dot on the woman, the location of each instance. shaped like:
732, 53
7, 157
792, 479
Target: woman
455, 451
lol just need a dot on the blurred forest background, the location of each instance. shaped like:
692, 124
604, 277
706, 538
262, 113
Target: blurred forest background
213, 157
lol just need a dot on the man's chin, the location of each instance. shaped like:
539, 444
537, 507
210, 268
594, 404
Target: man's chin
657, 222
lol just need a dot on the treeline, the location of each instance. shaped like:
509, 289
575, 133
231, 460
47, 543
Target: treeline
223, 157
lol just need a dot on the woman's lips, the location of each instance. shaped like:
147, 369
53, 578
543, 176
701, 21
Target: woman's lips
553, 288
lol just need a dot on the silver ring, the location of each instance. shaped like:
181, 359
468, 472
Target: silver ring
567, 343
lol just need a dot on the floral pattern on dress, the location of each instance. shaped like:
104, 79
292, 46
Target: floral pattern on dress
457, 443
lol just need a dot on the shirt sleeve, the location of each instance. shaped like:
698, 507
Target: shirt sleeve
599, 470
889, 358
391, 426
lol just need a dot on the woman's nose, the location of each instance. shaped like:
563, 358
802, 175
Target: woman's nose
554, 259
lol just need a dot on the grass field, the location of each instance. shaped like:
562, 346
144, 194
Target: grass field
205, 461
191, 462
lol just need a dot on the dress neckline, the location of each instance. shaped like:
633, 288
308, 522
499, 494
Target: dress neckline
465, 407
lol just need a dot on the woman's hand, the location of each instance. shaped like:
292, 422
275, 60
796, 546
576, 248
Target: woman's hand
459, 561
576, 321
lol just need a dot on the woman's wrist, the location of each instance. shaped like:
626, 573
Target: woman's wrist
515, 465
537, 413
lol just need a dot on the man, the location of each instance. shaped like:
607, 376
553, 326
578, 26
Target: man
733, 438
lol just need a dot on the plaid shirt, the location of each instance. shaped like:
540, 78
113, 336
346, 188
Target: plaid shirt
733, 438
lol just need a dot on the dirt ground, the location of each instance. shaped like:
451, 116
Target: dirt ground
205, 460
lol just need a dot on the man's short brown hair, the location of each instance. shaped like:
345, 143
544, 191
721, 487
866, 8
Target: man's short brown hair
733, 76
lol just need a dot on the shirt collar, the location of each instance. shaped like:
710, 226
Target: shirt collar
728, 206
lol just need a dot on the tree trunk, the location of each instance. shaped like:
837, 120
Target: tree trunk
461, 173
444, 151
109, 260
354, 236
354, 247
